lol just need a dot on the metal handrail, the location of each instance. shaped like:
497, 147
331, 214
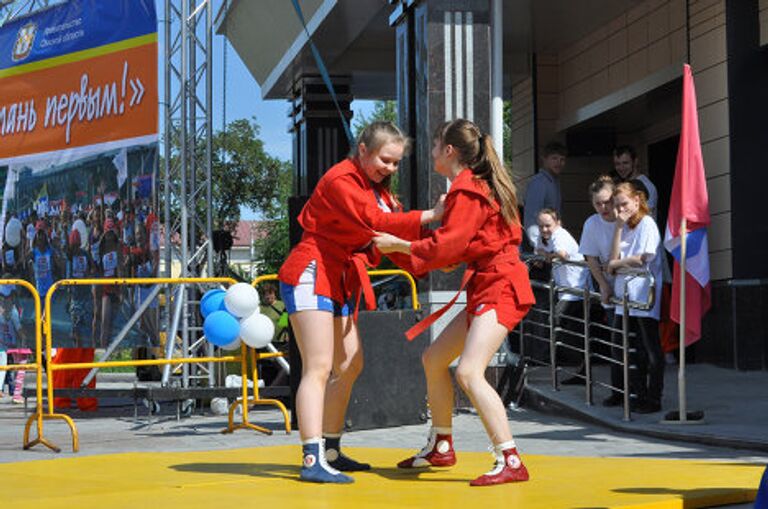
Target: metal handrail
587, 296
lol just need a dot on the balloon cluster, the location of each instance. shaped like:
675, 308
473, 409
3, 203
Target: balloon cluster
233, 316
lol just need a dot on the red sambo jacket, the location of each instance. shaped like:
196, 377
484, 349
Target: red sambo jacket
474, 232
339, 221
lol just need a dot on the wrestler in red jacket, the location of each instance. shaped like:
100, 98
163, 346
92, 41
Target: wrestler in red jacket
321, 282
481, 228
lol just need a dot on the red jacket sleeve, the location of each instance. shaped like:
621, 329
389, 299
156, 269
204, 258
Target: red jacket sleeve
346, 195
464, 215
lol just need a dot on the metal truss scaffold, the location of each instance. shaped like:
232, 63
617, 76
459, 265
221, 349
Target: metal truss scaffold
187, 159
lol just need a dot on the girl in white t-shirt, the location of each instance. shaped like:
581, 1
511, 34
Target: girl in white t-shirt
595, 245
555, 243
636, 244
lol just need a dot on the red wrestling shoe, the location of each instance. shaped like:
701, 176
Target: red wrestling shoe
437, 453
508, 468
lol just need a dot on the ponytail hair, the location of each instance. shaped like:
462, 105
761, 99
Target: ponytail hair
629, 189
476, 152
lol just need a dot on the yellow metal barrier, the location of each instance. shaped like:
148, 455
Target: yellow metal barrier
40, 416
257, 356
37, 366
407, 275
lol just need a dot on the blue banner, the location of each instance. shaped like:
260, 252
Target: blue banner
74, 26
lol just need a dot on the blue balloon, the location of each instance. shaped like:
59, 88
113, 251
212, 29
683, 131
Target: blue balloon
221, 328
213, 300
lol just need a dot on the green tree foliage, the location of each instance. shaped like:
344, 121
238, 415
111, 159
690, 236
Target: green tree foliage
382, 110
243, 174
272, 243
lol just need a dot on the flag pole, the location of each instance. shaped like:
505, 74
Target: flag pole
683, 410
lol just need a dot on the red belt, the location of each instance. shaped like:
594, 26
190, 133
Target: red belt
510, 255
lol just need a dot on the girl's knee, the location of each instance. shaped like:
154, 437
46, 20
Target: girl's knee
468, 377
351, 368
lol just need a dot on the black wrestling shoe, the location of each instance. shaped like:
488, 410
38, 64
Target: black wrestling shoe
344, 463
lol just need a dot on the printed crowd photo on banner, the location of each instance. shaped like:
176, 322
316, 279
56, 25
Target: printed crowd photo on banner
79, 159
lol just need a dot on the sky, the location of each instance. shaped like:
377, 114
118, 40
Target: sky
243, 98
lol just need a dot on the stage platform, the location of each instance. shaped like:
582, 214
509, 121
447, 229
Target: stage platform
268, 477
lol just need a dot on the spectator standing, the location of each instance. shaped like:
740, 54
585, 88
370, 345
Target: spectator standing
543, 190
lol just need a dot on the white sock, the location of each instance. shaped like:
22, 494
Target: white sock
510, 444
442, 430
312, 440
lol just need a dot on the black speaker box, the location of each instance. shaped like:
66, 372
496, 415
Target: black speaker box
392, 390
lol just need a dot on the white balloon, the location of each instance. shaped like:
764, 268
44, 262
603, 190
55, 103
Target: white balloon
257, 330
13, 232
241, 300
234, 345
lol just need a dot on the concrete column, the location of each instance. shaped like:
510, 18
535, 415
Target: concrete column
443, 73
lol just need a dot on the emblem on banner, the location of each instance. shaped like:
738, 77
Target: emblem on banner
24, 41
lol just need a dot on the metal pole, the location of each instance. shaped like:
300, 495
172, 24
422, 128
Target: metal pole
552, 335
186, 45
170, 338
683, 415
497, 78
625, 351
208, 162
587, 346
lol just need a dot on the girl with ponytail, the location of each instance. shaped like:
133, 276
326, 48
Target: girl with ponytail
480, 227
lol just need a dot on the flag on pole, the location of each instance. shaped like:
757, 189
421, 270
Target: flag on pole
121, 163
690, 201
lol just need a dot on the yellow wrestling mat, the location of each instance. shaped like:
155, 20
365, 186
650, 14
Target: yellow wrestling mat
267, 477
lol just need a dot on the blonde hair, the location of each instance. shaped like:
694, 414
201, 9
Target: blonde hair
629, 189
374, 136
476, 152
602, 182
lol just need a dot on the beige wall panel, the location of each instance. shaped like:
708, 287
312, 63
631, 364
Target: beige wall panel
637, 12
637, 35
719, 190
617, 75
617, 24
547, 106
708, 50
706, 12
707, 25
548, 78
600, 85
721, 265
658, 23
719, 233
598, 56
617, 46
676, 14
717, 157
522, 165
659, 55
696, 6
712, 84
678, 45
713, 121
637, 65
